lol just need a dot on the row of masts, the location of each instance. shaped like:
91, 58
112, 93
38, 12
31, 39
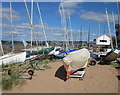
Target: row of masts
63, 21
31, 23
64, 24
13, 29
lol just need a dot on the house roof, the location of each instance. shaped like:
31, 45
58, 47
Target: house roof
104, 35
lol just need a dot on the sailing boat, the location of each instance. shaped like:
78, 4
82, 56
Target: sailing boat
57, 53
11, 58
112, 54
76, 60
45, 50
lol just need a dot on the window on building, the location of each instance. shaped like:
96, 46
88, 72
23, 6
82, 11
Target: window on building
103, 40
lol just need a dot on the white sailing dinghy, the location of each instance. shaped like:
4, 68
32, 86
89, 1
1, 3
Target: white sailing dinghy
12, 57
76, 60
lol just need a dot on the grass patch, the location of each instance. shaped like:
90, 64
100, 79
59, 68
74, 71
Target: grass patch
44, 64
8, 83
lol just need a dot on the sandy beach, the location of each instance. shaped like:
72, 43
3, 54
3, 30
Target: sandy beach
97, 79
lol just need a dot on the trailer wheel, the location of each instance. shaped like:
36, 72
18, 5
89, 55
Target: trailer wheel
31, 72
92, 62
9, 72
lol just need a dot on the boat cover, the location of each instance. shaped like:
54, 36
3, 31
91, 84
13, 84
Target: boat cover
76, 60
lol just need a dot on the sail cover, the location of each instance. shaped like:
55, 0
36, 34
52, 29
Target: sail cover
76, 60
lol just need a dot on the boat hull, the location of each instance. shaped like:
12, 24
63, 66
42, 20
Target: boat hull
76, 60
61, 55
12, 58
44, 51
111, 56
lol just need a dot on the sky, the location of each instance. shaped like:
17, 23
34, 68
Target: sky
79, 16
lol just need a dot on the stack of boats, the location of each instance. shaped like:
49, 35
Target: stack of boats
73, 59
22, 56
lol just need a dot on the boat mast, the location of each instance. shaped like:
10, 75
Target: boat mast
89, 38
43, 28
99, 29
12, 30
114, 30
31, 21
81, 37
71, 31
1, 48
109, 28
24, 42
9, 19
31, 24
64, 26
61, 21
118, 6
1, 29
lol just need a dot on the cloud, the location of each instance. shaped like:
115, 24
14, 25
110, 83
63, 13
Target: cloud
24, 30
6, 14
69, 4
18, 28
91, 0
58, 34
96, 16
93, 34
6, 27
68, 8
23, 27
13, 32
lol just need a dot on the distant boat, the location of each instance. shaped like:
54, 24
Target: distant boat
76, 60
58, 54
44, 51
12, 58
111, 56
56, 51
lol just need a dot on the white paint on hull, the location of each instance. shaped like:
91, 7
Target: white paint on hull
12, 58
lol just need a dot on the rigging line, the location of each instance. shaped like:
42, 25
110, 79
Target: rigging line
71, 30
31, 21
11, 22
31, 24
99, 29
64, 25
1, 47
61, 21
118, 8
12, 25
43, 28
89, 38
109, 28
1, 32
114, 30
81, 36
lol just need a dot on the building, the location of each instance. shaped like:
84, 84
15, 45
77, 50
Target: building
103, 40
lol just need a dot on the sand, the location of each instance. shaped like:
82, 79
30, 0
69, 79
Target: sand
97, 79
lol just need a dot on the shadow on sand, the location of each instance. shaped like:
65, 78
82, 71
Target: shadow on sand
61, 73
